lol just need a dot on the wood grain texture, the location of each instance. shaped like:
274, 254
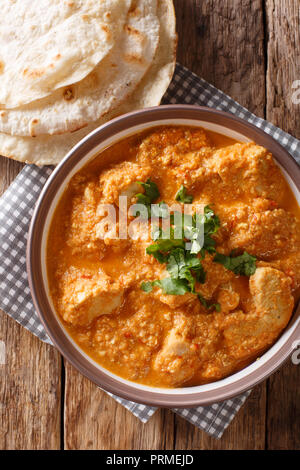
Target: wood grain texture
283, 412
283, 24
94, 420
29, 390
223, 42
283, 21
30, 377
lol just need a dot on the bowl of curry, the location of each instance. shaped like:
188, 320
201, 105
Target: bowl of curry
164, 256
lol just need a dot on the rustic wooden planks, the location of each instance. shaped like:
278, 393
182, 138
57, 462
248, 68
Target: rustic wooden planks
223, 42
29, 378
29, 390
283, 25
93, 420
283, 19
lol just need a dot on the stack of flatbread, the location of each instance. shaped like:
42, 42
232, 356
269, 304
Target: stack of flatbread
68, 66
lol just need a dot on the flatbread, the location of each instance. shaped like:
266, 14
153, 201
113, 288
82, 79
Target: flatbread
49, 150
117, 75
48, 44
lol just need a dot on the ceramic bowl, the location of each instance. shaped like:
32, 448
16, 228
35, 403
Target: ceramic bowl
80, 155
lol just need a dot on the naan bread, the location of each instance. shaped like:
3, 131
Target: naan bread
49, 150
110, 83
48, 44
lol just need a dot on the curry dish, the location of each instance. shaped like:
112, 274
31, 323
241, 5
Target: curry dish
165, 312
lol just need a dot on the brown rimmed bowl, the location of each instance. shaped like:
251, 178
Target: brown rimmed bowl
79, 156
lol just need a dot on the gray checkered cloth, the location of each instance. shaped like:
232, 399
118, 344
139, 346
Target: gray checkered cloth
16, 207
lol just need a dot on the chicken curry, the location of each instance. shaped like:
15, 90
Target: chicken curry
164, 310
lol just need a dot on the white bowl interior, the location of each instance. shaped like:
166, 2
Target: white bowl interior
126, 133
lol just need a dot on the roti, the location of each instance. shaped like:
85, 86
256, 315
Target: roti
111, 81
49, 44
49, 150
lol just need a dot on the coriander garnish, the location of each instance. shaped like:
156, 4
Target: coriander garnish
181, 253
184, 265
244, 264
149, 196
183, 196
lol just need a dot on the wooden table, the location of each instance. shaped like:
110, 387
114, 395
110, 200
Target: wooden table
250, 50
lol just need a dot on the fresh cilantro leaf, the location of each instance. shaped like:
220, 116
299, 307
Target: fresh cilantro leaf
146, 286
151, 189
200, 274
143, 199
150, 195
179, 265
154, 251
176, 263
192, 261
209, 245
182, 196
172, 286
224, 260
168, 285
180, 260
211, 224
162, 246
199, 229
184, 265
244, 264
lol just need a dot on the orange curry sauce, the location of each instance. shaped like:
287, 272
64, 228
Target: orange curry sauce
172, 340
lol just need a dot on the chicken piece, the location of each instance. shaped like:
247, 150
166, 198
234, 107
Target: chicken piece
271, 290
81, 232
170, 142
179, 150
268, 234
109, 235
290, 265
129, 342
87, 295
177, 359
176, 301
245, 335
228, 298
237, 212
121, 180
247, 169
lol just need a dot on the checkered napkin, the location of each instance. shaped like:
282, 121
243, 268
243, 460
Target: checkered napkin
16, 207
